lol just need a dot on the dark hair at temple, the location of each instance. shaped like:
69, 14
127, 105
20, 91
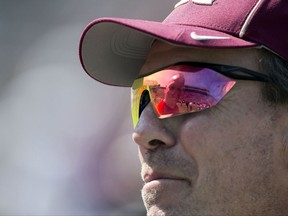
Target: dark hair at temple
276, 91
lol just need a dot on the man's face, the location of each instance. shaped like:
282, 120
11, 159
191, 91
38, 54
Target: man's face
222, 161
173, 91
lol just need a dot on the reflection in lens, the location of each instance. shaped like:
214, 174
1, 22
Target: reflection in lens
183, 89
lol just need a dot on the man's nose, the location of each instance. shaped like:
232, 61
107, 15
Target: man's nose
151, 132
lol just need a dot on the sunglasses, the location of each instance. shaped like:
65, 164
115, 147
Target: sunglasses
186, 87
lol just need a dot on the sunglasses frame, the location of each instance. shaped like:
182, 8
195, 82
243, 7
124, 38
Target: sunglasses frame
234, 72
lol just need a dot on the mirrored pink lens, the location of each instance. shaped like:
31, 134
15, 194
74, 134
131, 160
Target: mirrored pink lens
184, 89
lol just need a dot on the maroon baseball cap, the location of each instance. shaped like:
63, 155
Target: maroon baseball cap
112, 50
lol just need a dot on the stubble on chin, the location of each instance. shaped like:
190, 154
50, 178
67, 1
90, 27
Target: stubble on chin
160, 201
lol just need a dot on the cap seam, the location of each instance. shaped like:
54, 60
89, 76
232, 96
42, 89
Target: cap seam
249, 19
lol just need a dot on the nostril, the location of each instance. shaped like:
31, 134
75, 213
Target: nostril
156, 143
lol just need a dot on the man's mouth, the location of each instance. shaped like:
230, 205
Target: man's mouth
155, 180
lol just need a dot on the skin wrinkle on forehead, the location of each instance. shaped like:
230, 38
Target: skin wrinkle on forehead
161, 57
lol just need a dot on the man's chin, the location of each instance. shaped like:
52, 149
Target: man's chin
160, 203
165, 192
172, 210
154, 210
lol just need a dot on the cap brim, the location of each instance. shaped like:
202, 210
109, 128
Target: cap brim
112, 50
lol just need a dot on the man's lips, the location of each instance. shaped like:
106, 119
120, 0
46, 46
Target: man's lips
164, 181
153, 176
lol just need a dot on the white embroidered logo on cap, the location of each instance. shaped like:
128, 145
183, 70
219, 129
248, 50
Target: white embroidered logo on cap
201, 2
195, 36
181, 3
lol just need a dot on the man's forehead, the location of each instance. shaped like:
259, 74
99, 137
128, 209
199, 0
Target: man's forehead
163, 54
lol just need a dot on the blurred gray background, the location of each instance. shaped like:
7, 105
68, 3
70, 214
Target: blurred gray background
62, 152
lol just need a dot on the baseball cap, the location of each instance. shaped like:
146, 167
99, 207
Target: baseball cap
112, 50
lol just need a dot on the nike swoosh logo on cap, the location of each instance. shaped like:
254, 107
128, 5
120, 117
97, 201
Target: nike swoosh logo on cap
195, 36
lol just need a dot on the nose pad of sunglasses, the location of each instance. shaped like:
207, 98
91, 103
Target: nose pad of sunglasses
144, 101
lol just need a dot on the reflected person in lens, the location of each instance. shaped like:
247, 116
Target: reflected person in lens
172, 95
